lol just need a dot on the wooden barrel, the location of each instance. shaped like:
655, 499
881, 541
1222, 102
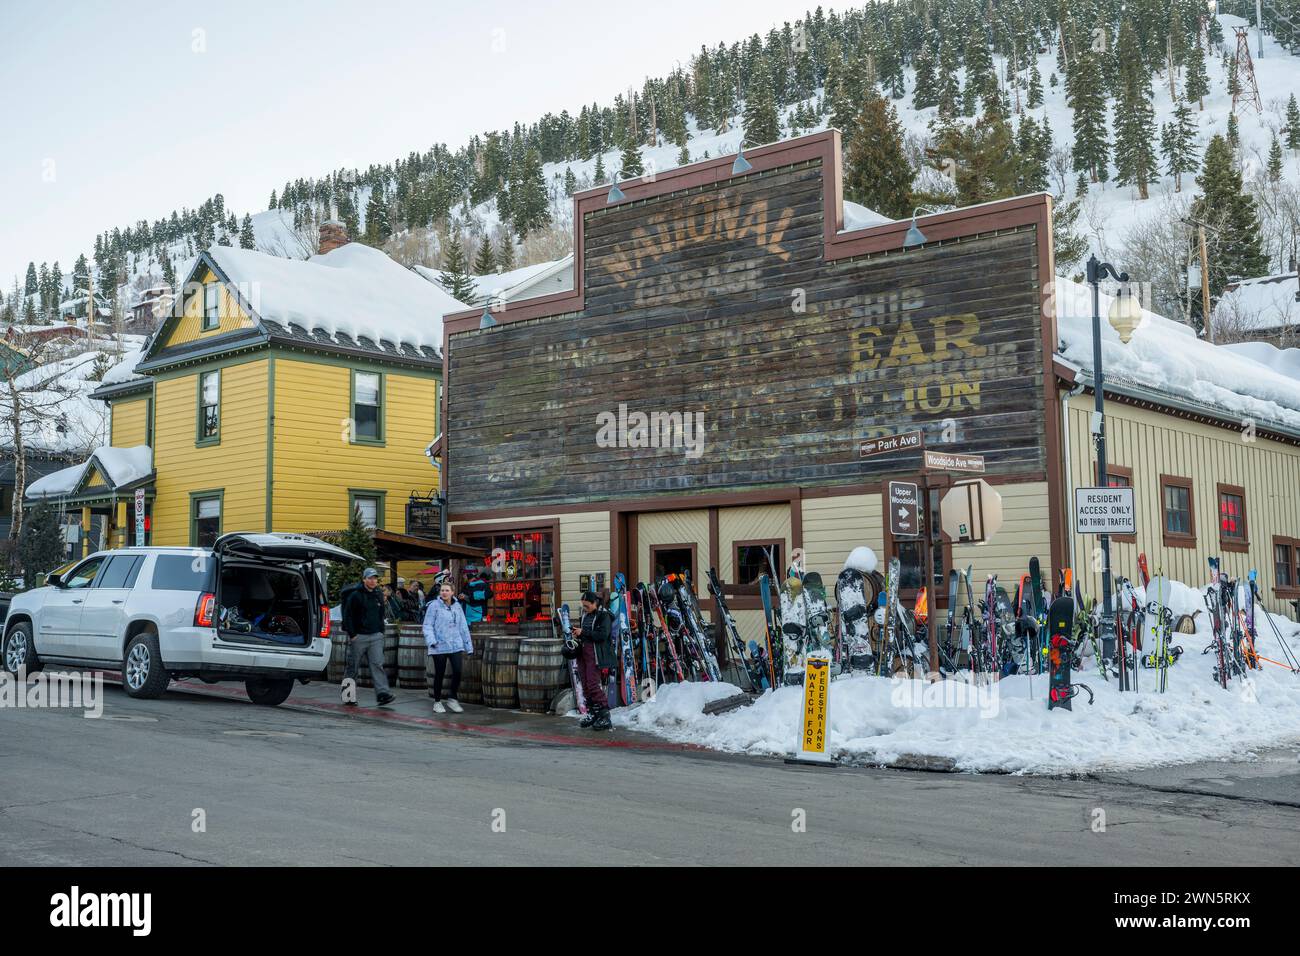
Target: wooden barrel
338, 654
471, 680
542, 672
392, 634
501, 671
536, 629
486, 629
412, 656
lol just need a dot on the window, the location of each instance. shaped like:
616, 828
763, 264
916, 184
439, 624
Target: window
674, 559
1179, 521
121, 571
183, 572
83, 576
751, 561
367, 407
520, 572
370, 504
209, 430
211, 306
1286, 567
205, 519
1232, 518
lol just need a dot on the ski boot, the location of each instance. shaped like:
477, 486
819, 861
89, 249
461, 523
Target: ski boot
602, 721
587, 720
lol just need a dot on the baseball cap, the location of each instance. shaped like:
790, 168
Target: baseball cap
369, 573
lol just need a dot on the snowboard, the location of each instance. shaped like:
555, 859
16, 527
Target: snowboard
817, 635
793, 628
855, 629
771, 629
889, 621
565, 625
1060, 653
727, 625
1039, 607
621, 638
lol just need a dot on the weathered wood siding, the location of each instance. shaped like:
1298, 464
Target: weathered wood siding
718, 302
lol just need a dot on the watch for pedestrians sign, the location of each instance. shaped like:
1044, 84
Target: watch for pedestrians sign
904, 509
1104, 511
812, 720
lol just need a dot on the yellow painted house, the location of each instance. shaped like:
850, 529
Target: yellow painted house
279, 396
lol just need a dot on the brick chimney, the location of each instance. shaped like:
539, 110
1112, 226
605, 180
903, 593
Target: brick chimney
332, 235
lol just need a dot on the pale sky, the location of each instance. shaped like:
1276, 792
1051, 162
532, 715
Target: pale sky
117, 111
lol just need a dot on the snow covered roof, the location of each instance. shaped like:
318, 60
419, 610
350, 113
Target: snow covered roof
857, 216
124, 370
540, 278
119, 466
59, 413
354, 291
1258, 382
1257, 304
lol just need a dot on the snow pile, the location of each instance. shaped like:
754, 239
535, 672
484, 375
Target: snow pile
1168, 357
354, 290
58, 484
857, 216
1002, 727
1265, 303
121, 466
124, 370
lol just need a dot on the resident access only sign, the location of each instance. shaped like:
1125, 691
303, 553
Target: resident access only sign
1104, 511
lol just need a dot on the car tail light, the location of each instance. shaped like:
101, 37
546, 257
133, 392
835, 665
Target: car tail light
203, 611
324, 620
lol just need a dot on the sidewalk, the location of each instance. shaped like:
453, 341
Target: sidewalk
414, 709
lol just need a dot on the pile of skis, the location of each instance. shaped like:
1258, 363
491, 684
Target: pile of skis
1232, 605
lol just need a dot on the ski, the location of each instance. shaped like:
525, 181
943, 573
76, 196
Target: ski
727, 624
564, 624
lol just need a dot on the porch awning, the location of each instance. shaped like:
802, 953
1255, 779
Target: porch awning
108, 474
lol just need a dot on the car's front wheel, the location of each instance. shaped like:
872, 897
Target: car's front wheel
19, 652
268, 692
143, 674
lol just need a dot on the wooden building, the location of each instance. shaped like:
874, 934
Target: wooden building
764, 343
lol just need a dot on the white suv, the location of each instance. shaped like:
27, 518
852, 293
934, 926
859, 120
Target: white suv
252, 608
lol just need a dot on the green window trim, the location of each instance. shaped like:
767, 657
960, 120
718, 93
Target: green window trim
195, 497
356, 439
209, 322
199, 439
381, 508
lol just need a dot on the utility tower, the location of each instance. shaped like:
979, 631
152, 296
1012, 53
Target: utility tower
1247, 87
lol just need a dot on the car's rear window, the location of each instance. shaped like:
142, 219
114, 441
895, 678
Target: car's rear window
183, 572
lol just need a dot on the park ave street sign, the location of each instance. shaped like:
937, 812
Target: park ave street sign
1104, 511
904, 441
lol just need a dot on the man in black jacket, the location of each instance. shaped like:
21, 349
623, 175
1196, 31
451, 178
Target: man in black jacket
591, 631
363, 620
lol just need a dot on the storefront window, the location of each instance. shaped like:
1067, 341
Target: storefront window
520, 572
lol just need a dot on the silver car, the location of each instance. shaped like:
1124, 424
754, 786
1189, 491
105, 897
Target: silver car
254, 607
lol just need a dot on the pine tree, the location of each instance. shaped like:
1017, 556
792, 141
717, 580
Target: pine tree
1035, 99
246, 237
33, 285
505, 254
598, 175
684, 156
631, 164
570, 181
1135, 160
1178, 144
1087, 98
455, 272
378, 229
1068, 246
40, 544
357, 539
273, 204
529, 204
168, 271
1275, 160
485, 260
926, 91
1237, 248
762, 123
877, 173
1292, 126
1197, 86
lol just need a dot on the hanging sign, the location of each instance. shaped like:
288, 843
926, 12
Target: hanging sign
139, 517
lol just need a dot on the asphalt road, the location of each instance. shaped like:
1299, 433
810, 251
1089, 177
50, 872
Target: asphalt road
287, 787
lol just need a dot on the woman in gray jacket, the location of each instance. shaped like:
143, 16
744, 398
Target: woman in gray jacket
446, 635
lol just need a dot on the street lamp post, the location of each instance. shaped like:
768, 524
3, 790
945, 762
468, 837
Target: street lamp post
1124, 315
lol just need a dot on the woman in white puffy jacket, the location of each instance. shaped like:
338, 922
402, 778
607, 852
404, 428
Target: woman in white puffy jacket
446, 635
